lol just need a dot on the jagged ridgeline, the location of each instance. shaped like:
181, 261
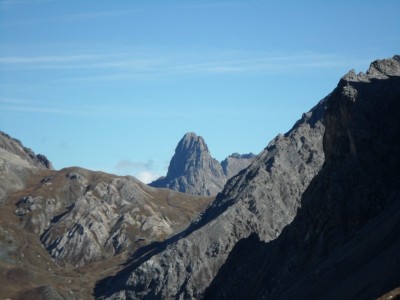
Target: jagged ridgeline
314, 216
75, 223
193, 170
341, 245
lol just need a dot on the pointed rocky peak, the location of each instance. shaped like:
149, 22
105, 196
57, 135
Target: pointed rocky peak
342, 241
261, 199
192, 169
192, 141
191, 151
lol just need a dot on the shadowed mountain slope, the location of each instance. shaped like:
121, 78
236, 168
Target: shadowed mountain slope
344, 243
315, 214
263, 198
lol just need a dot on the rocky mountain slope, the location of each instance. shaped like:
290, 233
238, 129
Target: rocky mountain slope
315, 215
235, 163
17, 163
83, 216
263, 199
85, 221
193, 170
13, 151
343, 244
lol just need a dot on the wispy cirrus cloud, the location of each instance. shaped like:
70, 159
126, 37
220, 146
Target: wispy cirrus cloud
8, 105
37, 60
96, 15
8, 100
8, 3
209, 5
155, 64
81, 16
47, 110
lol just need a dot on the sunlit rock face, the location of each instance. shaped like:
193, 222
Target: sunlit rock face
261, 199
194, 171
343, 243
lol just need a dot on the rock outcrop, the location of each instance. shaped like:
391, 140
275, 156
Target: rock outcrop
262, 199
88, 222
235, 163
343, 243
315, 215
194, 171
14, 149
17, 164
84, 216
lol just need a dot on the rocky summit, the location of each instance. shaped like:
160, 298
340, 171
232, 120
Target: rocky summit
263, 199
343, 243
194, 171
314, 216
245, 245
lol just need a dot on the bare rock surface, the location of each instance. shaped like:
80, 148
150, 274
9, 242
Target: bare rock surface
17, 164
343, 243
61, 230
194, 171
83, 216
315, 215
263, 199
235, 163
29, 158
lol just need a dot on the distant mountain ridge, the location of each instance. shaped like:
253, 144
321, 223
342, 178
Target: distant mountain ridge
315, 215
342, 243
261, 199
60, 224
235, 163
194, 171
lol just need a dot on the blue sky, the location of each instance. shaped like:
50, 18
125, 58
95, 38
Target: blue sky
114, 85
